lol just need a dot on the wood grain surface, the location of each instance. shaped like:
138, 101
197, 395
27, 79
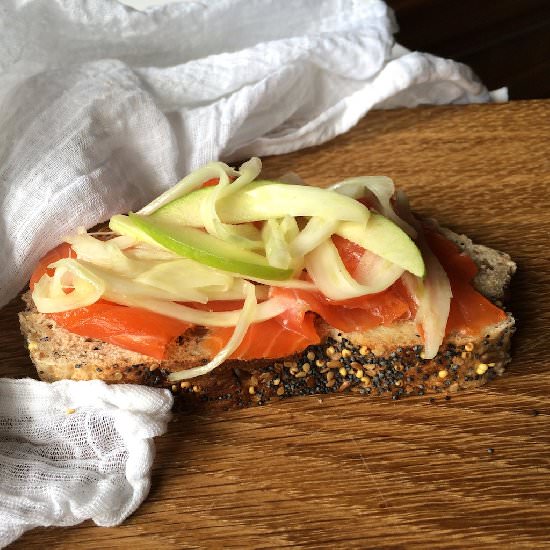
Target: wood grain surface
349, 472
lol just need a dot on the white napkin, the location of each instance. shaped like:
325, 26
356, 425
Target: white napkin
102, 106
70, 451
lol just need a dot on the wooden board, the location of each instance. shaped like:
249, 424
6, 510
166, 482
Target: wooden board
343, 472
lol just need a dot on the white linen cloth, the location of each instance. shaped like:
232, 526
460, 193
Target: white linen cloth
102, 107
70, 451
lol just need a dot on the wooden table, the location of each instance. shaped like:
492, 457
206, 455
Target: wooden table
343, 472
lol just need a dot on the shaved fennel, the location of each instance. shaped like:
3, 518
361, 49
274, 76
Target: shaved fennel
312, 235
432, 294
49, 292
115, 284
382, 188
122, 241
245, 320
200, 244
146, 251
375, 271
289, 227
236, 292
276, 246
331, 277
266, 310
184, 273
433, 298
106, 254
189, 183
212, 223
208, 211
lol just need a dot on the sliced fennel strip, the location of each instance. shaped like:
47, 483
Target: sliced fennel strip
236, 292
248, 172
383, 190
210, 218
115, 284
49, 296
289, 227
241, 328
189, 183
375, 271
185, 273
276, 247
144, 288
331, 277
106, 254
433, 298
316, 231
288, 283
264, 311
433, 293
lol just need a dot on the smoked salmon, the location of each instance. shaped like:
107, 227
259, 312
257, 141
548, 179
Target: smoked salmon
130, 328
294, 330
470, 311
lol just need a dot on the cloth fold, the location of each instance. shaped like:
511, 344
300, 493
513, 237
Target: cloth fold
71, 451
102, 107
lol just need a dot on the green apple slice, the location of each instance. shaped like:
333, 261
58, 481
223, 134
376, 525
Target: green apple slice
384, 238
263, 200
197, 245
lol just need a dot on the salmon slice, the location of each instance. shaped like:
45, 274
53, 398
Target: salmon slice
290, 332
130, 328
293, 330
470, 311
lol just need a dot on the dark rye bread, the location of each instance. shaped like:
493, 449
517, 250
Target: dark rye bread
383, 360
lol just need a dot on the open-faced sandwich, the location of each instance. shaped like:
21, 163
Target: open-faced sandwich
232, 289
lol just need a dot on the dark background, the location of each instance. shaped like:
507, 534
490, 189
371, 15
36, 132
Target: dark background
506, 42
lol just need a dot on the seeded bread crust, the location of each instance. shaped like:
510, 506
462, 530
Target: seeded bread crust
383, 360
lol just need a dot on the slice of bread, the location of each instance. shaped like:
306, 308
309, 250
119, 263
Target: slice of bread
383, 360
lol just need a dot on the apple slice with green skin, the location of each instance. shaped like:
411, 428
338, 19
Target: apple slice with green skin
384, 238
263, 200
197, 245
